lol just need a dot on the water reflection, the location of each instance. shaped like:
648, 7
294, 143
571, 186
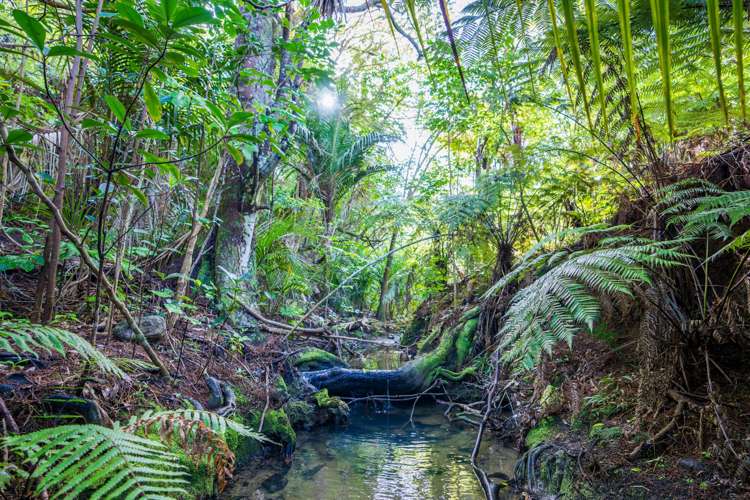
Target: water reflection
382, 456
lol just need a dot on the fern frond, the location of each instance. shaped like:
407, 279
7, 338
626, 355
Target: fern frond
563, 300
212, 420
21, 336
73, 460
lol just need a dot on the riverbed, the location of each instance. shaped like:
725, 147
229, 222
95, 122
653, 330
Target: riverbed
381, 454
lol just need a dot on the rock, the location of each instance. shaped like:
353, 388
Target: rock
693, 464
551, 400
154, 328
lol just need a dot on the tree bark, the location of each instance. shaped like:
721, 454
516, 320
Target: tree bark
235, 270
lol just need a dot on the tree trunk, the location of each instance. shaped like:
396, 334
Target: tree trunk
235, 270
383, 309
48, 280
187, 260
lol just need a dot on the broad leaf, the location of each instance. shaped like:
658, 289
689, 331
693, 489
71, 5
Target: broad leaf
190, 16
153, 105
117, 108
33, 28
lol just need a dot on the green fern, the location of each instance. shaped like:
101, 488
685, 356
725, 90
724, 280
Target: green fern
700, 208
563, 299
24, 337
72, 460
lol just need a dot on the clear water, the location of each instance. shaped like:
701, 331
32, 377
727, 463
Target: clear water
381, 455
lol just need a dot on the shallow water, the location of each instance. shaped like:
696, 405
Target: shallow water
380, 455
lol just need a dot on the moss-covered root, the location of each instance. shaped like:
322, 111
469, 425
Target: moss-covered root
465, 341
316, 359
447, 374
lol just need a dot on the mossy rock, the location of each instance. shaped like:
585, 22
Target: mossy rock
301, 414
276, 426
545, 430
551, 400
601, 432
313, 359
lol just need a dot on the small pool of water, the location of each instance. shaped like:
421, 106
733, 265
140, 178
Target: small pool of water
381, 455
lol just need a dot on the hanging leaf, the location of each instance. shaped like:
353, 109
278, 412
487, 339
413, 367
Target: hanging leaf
18, 136
117, 108
153, 105
559, 50
454, 49
575, 55
389, 18
596, 58
63, 51
623, 13
714, 26
411, 9
660, 19
33, 28
151, 133
738, 18
168, 7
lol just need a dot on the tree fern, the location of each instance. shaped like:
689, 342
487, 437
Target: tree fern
23, 337
575, 55
596, 59
563, 299
72, 460
700, 208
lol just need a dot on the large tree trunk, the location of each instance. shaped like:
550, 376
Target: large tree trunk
235, 241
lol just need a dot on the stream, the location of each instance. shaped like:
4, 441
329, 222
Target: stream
381, 455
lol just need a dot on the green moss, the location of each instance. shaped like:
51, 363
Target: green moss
324, 400
301, 413
316, 359
551, 399
600, 432
276, 426
465, 341
471, 314
427, 341
447, 374
545, 430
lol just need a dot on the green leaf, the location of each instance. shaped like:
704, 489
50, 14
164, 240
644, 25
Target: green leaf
117, 108
18, 136
33, 28
575, 55
168, 7
623, 13
593, 26
152, 133
139, 194
153, 105
239, 117
138, 32
62, 50
236, 154
190, 16
128, 13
